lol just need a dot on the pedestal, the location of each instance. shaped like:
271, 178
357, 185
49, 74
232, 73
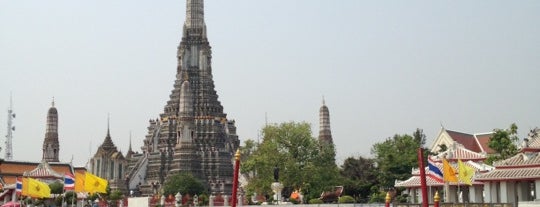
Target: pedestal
276, 188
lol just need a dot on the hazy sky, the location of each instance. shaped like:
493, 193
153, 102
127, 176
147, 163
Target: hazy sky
384, 67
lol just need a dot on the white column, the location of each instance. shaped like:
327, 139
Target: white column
537, 189
416, 195
504, 192
472, 194
452, 194
521, 192
487, 192
479, 194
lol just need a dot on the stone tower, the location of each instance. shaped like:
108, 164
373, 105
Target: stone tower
51, 146
193, 133
325, 135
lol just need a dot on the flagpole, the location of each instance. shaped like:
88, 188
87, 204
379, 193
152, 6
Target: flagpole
64, 191
422, 177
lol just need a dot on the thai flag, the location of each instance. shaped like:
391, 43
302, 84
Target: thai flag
18, 184
69, 182
434, 171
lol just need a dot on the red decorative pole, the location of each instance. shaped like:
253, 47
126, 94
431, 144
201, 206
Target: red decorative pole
387, 200
425, 202
235, 179
436, 199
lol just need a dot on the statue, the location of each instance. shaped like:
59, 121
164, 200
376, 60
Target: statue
276, 174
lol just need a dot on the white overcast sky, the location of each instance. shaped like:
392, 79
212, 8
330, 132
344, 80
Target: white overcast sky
384, 67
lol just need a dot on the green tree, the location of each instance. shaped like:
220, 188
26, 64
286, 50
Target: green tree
360, 174
56, 188
303, 163
504, 143
185, 183
114, 196
70, 197
396, 156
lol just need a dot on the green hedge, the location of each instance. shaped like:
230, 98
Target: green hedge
346, 199
315, 201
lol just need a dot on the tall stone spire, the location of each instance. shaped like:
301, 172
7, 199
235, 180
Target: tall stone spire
186, 158
51, 146
194, 14
193, 129
325, 135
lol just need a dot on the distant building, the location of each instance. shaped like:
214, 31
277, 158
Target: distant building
325, 134
49, 169
44, 171
471, 149
516, 179
109, 163
51, 146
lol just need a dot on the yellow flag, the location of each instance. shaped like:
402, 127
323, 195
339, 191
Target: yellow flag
38, 189
465, 173
79, 182
24, 190
94, 184
449, 174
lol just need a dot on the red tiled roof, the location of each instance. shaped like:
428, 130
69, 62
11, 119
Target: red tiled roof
523, 166
476, 143
464, 154
414, 181
483, 140
534, 142
467, 140
521, 160
10, 170
511, 174
44, 170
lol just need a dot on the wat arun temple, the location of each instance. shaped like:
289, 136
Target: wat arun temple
193, 134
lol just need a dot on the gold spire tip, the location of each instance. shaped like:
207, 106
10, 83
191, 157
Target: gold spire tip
237, 155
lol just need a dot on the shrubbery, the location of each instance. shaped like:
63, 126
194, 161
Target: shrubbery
315, 201
346, 199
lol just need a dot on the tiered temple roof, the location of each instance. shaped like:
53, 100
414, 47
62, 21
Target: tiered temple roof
523, 166
474, 142
468, 158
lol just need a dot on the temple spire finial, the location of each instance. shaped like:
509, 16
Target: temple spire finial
323, 103
108, 124
129, 150
52, 101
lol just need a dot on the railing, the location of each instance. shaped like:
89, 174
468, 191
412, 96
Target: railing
140, 166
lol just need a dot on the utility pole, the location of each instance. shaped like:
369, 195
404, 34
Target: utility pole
10, 129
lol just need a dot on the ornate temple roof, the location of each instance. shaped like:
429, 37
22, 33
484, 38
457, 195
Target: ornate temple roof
107, 148
108, 144
43, 170
414, 181
474, 142
458, 151
523, 166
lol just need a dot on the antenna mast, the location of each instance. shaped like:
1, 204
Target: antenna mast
10, 129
